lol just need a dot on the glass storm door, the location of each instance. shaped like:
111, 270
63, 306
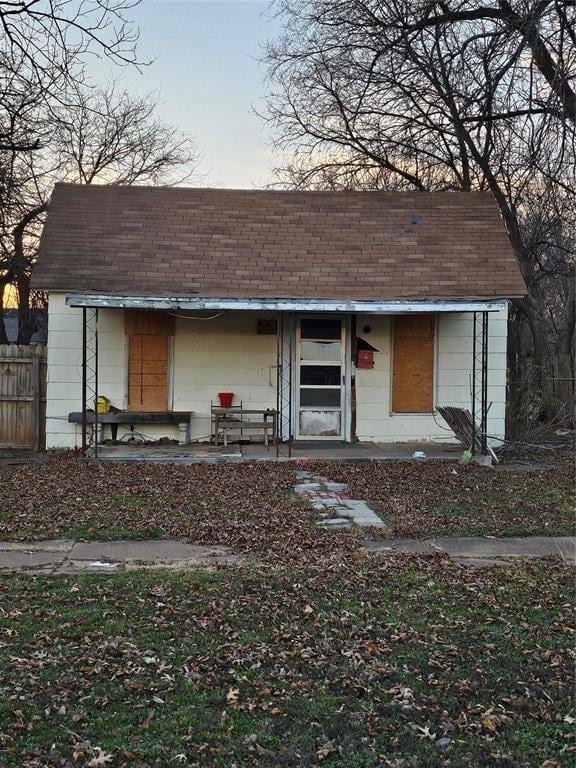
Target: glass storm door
320, 383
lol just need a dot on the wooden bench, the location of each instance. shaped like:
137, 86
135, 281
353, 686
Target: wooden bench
236, 418
132, 418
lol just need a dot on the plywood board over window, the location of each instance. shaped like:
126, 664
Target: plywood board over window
149, 323
413, 364
148, 354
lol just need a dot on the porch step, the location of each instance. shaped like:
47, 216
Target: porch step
169, 454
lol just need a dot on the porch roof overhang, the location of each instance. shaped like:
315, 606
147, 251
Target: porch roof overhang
105, 301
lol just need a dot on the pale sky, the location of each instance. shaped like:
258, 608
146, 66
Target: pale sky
206, 70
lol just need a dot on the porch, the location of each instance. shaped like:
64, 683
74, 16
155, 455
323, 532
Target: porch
352, 380
299, 451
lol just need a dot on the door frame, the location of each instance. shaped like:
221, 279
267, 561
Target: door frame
346, 386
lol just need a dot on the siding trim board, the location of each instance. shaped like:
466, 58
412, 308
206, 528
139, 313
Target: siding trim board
172, 303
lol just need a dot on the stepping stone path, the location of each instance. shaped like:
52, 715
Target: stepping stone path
336, 508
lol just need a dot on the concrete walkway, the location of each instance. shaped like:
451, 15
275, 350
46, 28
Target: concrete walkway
484, 551
66, 556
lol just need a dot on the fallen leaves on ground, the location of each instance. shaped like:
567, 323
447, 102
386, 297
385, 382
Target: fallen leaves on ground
249, 507
418, 499
331, 657
252, 508
374, 662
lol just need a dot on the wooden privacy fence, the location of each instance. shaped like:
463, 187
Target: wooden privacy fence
22, 396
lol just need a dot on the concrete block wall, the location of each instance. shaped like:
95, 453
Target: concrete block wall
452, 380
224, 354
64, 378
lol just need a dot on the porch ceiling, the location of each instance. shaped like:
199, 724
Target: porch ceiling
102, 300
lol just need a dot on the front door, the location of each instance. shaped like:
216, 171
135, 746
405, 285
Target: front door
320, 378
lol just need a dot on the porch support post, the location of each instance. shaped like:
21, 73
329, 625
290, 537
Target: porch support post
90, 378
484, 424
473, 445
290, 387
284, 386
279, 324
96, 425
84, 384
479, 384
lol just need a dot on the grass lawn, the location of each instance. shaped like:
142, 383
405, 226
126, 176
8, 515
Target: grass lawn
359, 661
251, 507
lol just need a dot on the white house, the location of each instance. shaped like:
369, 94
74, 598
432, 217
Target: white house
354, 315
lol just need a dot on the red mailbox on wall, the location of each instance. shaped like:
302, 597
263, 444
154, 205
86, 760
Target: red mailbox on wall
365, 358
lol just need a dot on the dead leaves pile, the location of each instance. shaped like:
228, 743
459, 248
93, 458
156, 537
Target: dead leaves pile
403, 662
429, 498
338, 658
252, 507
249, 507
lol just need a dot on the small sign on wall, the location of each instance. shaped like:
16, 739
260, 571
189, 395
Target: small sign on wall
267, 327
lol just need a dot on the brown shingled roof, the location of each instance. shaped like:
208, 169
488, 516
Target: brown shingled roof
161, 241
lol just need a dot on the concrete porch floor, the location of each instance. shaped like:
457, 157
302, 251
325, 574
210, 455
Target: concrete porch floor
324, 451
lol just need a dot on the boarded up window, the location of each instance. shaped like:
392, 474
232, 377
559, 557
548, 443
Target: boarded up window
148, 349
156, 323
413, 364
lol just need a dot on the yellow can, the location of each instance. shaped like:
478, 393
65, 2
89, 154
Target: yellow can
102, 404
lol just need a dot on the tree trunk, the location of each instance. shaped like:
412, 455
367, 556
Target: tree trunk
21, 269
567, 333
516, 402
540, 364
565, 388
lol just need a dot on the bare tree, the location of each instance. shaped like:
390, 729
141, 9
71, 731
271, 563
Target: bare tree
110, 136
461, 94
107, 136
43, 47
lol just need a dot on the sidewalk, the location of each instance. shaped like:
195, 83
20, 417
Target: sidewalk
66, 556
484, 551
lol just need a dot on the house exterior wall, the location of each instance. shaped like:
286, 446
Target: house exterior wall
452, 379
222, 355
64, 378
207, 356
226, 354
